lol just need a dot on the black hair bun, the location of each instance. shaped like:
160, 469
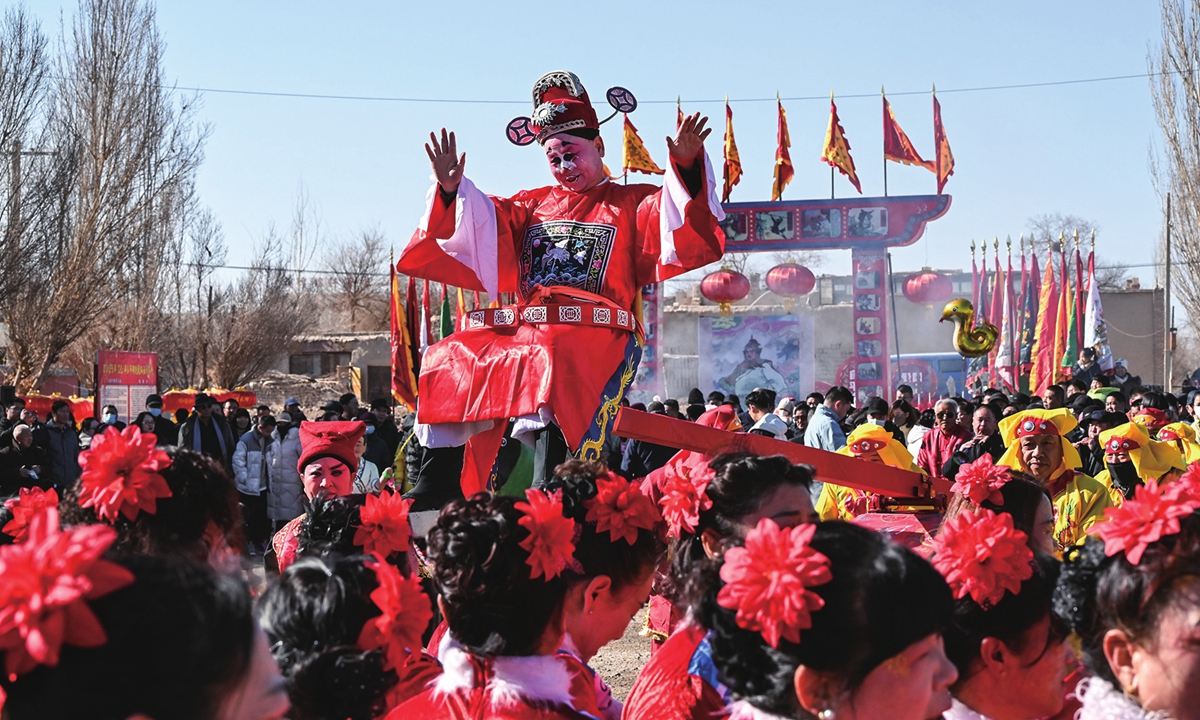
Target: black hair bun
344, 682
1075, 594
329, 525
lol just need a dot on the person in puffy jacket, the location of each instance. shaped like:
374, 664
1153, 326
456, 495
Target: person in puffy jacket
285, 501
250, 472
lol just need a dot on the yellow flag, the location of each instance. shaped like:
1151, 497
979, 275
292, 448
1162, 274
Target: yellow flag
636, 157
837, 148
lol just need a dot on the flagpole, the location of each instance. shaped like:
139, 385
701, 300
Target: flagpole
895, 322
884, 96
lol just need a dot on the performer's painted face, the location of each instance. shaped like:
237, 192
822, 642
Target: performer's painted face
576, 164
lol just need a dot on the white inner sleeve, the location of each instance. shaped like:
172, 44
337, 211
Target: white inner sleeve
675, 198
474, 242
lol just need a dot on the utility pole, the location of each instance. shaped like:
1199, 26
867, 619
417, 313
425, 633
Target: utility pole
1167, 307
14, 188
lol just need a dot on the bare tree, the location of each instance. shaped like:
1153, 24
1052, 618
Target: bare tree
1045, 230
262, 312
1175, 89
99, 210
306, 233
358, 279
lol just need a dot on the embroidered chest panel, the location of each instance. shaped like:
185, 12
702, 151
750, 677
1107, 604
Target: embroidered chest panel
566, 252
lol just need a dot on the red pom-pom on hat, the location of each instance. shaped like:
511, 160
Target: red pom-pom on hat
621, 509
335, 438
768, 581
44, 583
383, 527
121, 474
981, 480
982, 555
551, 540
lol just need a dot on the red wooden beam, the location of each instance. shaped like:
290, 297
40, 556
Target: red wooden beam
831, 467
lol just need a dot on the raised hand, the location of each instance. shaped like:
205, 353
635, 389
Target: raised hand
689, 140
447, 163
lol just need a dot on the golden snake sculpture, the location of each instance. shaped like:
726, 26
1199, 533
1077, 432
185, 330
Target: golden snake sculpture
968, 341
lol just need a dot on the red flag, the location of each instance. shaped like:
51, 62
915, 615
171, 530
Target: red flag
944, 162
783, 157
997, 309
837, 147
1080, 295
404, 379
896, 145
1064, 300
733, 162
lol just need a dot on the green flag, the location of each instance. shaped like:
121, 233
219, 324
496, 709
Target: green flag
1071, 352
447, 315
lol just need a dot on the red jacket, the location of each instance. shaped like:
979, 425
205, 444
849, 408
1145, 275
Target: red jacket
672, 686
938, 447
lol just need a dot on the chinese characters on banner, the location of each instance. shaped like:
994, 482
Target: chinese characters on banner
125, 379
870, 370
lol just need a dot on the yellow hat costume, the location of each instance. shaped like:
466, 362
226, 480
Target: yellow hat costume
838, 502
1183, 437
1151, 458
1038, 422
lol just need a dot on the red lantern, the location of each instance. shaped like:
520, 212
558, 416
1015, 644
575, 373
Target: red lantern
81, 408
928, 288
725, 287
789, 281
219, 394
38, 403
176, 399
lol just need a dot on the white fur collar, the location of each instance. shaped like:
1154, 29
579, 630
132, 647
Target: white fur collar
742, 710
530, 678
958, 711
1102, 701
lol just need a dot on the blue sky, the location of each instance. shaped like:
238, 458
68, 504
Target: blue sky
1074, 149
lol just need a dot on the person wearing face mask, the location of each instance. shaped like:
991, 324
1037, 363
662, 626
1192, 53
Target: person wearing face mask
872, 443
577, 254
1131, 458
1037, 446
164, 427
877, 411
110, 418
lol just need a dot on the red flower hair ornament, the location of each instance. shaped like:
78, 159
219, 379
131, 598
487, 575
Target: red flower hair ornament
383, 527
621, 508
28, 503
684, 497
551, 541
406, 613
982, 555
768, 581
981, 480
44, 583
121, 474
1151, 514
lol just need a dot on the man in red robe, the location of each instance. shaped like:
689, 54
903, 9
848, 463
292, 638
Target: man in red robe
576, 253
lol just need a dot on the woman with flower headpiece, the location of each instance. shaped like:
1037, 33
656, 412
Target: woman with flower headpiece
828, 621
169, 502
871, 443
327, 467
84, 638
1183, 437
1037, 445
1131, 457
983, 485
503, 570
707, 513
619, 548
577, 254
1009, 648
1132, 595
347, 635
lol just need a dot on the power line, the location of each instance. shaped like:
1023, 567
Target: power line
797, 98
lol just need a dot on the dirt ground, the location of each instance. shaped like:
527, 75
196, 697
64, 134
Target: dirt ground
620, 661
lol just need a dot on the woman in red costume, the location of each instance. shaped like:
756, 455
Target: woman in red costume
503, 570
708, 511
327, 465
576, 254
